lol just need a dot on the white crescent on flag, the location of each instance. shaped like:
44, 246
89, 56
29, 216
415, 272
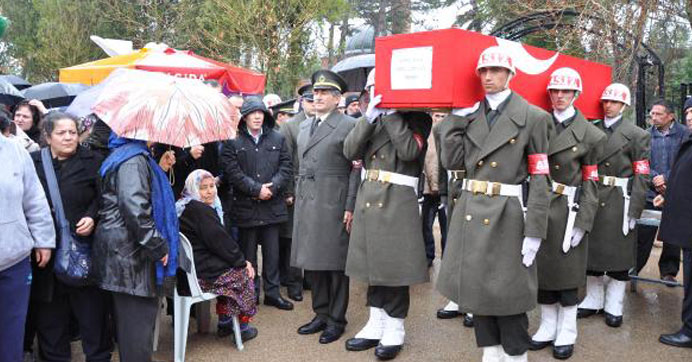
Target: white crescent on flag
524, 61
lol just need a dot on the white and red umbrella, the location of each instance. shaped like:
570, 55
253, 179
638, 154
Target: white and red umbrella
164, 109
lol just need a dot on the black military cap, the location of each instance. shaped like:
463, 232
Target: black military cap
284, 107
350, 99
305, 92
326, 79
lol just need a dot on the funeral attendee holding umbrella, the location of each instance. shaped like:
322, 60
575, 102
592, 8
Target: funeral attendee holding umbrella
136, 241
386, 248
257, 164
676, 230
574, 150
623, 169
291, 276
325, 196
497, 225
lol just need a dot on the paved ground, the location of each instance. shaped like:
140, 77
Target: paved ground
655, 309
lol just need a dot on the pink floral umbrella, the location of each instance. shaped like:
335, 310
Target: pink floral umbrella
160, 108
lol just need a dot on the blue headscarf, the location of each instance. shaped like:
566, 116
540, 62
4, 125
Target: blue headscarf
162, 199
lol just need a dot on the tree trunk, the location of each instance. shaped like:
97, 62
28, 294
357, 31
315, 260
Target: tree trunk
401, 16
381, 25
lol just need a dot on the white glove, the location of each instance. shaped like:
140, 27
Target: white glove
463, 112
373, 113
577, 235
529, 249
633, 223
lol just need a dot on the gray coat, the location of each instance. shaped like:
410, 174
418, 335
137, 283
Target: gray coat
579, 145
386, 245
325, 188
609, 249
482, 269
290, 131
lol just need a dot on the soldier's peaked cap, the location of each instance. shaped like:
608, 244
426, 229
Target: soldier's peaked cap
326, 79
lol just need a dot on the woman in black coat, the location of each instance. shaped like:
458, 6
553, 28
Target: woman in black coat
220, 265
676, 230
53, 302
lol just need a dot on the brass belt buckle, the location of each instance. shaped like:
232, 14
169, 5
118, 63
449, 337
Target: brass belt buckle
479, 187
386, 177
560, 189
494, 189
373, 175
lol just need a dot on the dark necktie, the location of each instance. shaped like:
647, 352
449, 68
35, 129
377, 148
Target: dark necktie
491, 116
315, 124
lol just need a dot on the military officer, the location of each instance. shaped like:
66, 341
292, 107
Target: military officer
386, 248
450, 189
500, 218
325, 196
292, 277
623, 169
574, 149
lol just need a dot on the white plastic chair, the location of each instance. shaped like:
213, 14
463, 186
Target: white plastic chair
182, 305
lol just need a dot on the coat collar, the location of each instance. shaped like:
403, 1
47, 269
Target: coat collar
571, 136
617, 140
506, 126
323, 130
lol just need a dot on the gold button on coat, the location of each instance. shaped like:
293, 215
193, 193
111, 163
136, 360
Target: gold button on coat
574, 149
480, 163
380, 204
493, 164
367, 204
607, 164
469, 217
486, 221
602, 204
557, 167
512, 141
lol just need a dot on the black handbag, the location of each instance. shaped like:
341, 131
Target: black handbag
72, 258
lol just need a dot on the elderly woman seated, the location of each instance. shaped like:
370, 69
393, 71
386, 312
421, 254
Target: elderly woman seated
221, 266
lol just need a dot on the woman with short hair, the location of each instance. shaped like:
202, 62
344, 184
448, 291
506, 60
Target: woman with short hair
53, 301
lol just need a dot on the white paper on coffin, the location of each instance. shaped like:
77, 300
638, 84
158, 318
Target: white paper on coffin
412, 68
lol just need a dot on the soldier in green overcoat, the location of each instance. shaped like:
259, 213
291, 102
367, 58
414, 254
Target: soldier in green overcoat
326, 189
623, 169
500, 218
386, 248
574, 149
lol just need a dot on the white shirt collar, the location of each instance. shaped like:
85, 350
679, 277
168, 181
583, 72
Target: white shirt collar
609, 122
562, 116
324, 117
495, 99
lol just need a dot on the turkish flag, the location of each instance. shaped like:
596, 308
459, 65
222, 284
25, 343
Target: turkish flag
437, 69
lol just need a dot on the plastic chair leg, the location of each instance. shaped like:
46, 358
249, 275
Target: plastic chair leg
157, 325
236, 332
181, 322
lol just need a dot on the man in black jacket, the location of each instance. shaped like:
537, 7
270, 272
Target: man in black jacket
257, 164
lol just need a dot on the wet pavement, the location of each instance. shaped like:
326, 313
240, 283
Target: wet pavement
653, 310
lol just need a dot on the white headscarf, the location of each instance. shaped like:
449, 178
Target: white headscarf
191, 192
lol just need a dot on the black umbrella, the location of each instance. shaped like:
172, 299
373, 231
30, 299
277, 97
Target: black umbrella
355, 70
9, 95
18, 82
54, 94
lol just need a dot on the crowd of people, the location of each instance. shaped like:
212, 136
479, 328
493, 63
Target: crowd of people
532, 206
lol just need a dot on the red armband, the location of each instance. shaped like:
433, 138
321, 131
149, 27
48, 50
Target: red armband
641, 167
357, 164
589, 173
419, 140
538, 164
